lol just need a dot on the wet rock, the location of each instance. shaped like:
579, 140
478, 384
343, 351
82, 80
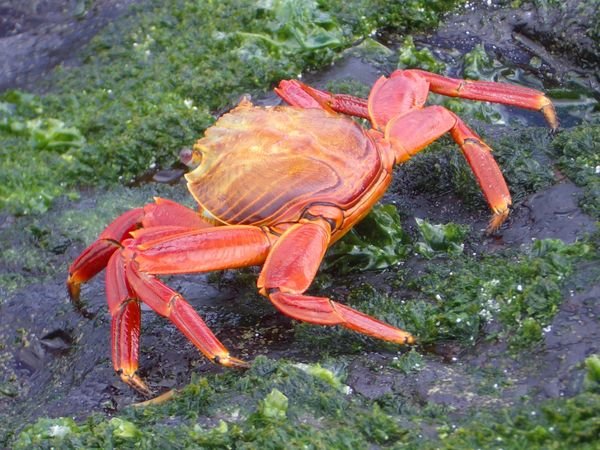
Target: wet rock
168, 176
57, 340
553, 213
367, 382
36, 36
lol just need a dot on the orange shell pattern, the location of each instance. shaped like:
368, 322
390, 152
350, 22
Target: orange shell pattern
262, 166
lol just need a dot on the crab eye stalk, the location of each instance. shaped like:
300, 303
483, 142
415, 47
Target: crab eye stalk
191, 157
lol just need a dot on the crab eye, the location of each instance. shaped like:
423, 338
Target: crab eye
191, 157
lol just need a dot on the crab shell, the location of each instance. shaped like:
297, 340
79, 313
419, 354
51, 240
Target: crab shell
268, 166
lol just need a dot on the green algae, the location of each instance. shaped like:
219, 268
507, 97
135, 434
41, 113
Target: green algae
24, 175
376, 242
274, 405
410, 57
555, 424
409, 362
279, 406
521, 292
440, 239
591, 381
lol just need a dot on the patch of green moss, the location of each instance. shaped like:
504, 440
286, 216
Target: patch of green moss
591, 381
275, 405
411, 361
410, 57
36, 148
556, 424
521, 292
377, 242
440, 239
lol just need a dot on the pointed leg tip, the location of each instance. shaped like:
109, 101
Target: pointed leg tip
137, 383
499, 217
408, 339
74, 289
550, 114
230, 361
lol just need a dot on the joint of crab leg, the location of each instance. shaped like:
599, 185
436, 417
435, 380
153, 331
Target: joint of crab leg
91, 261
95, 257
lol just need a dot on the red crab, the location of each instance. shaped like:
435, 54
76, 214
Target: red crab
277, 186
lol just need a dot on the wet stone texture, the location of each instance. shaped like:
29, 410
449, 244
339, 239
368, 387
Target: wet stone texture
36, 36
55, 361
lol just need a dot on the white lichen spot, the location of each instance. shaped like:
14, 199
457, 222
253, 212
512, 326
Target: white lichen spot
58, 431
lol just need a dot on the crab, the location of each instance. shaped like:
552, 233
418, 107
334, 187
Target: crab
276, 186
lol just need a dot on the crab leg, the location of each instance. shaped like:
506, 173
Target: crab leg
125, 311
489, 91
288, 272
412, 132
299, 94
199, 250
95, 257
